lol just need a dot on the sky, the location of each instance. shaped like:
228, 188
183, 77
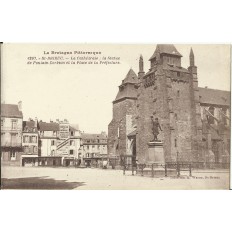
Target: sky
83, 94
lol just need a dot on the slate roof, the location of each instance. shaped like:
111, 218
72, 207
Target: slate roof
29, 126
214, 97
166, 49
177, 69
49, 126
127, 88
73, 127
131, 77
128, 91
93, 136
10, 110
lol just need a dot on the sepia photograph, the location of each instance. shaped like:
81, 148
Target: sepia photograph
115, 116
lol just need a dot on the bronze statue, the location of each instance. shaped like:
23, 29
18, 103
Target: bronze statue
155, 128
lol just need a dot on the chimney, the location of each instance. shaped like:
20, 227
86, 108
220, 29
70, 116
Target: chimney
20, 105
103, 133
36, 122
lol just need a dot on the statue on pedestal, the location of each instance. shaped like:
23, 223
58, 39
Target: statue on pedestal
155, 128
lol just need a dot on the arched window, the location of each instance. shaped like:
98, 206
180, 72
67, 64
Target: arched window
210, 118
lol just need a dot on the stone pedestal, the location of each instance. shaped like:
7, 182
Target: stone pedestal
156, 152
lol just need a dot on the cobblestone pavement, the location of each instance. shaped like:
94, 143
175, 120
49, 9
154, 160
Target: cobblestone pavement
87, 178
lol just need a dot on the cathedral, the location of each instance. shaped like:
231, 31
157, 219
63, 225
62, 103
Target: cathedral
194, 121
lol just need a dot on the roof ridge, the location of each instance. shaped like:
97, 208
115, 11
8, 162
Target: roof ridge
214, 89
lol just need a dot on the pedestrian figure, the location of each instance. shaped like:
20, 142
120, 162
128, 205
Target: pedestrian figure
105, 164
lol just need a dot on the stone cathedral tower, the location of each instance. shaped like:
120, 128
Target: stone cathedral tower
169, 92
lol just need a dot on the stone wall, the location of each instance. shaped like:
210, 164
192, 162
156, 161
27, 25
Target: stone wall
118, 127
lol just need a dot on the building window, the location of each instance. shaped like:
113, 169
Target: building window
178, 93
26, 139
13, 124
34, 139
26, 149
54, 133
178, 74
53, 152
87, 147
93, 146
35, 149
72, 133
175, 142
53, 142
224, 114
2, 122
12, 155
211, 118
71, 143
71, 152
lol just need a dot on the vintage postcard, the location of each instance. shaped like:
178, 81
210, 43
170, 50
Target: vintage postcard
123, 116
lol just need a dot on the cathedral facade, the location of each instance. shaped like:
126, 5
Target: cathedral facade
194, 121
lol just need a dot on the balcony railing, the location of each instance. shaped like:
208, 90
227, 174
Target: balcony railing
11, 144
8, 128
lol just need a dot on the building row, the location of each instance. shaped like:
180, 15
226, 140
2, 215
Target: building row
53, 143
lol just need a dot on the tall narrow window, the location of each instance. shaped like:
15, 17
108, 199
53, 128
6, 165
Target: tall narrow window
175, 142
176, 117
13, 124
210, 117
178, 93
